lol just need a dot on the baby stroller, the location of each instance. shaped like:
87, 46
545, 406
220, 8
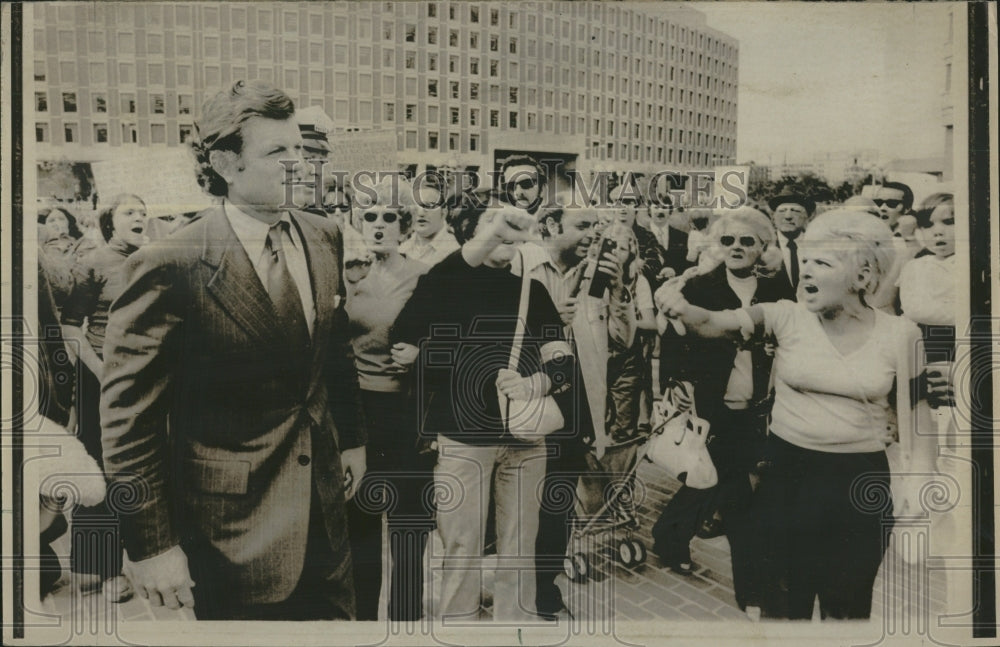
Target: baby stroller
604, 515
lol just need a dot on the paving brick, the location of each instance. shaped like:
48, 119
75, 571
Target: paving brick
663, 610
625, 610
697, 612
654, 592
725, 596
692, 594
731, 613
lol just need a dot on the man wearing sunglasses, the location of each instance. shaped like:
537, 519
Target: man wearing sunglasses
230, 397
893, 200
522, 182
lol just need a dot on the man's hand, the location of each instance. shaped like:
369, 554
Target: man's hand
163, 579
940, 390
354, 464
515, 387
567, 310
666, 273
510, 224
670, 300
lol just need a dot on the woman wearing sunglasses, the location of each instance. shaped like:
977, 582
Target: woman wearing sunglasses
380, 281
823, 509
731, 385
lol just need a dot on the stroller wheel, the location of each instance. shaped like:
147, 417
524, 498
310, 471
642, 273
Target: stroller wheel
626, 553
640, 551
576, 567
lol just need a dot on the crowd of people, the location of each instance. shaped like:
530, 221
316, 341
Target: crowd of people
269, 383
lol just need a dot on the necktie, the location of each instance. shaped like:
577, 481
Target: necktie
282, 289
793, 260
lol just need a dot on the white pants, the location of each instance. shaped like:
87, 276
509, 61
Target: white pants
466, 473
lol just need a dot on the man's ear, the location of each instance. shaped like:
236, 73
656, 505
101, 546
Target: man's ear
863, 278
226, 164
552, 226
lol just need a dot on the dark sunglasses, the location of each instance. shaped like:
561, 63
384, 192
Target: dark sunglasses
523, 184
892, 203
337, 208
388, 217
745, 241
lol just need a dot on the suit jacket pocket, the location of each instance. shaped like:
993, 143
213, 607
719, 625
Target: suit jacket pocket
219, 477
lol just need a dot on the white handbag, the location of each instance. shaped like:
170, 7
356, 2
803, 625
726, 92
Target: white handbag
678, 443
532, 419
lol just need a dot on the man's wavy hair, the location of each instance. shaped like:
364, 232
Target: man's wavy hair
220, 127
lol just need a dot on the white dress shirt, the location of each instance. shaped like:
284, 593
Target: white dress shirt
252, 234
430, 252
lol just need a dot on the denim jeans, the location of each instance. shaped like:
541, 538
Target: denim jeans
465, 474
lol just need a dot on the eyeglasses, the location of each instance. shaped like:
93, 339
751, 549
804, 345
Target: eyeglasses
388, 217
524, 184
337, 208
745, 241
891, 203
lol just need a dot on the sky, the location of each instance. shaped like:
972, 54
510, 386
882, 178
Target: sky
825, 77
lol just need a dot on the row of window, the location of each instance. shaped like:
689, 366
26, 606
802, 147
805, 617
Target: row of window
99, 103
130, 133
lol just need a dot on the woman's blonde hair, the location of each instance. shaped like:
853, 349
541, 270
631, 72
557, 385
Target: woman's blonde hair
856, 236
392, 193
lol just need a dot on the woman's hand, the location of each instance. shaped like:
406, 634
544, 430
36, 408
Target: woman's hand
515, 387
403, 357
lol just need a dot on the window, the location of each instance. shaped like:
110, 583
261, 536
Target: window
432, 88
432, 9
411, 33
183, 75
473, 142
69, 131
495, 118
494, 68
69, 101
474, 91
96, 39
100, 103
390, 112
239, 48
126, 43
432, 114
158, 134
432, 140
494, 43
154, 43
67, 72
41, 132
129, 133
474, 40
185, 103
365, 56
454, 116
238, 17
494, 17
453, 38
473, 66
128, 103
265, 50
473, 14
454, 89
411, 112
432, 35
474, 117
432, 62
453, 64
513, 95
291, 51
512, 119
183, 45
156, 73
410, 60
388, 57
531, 121
411, 139
453, 142
387, 31
41, 102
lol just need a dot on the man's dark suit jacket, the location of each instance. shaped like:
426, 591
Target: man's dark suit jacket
675, 255
220, 425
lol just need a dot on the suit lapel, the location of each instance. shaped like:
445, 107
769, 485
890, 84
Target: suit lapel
235, 283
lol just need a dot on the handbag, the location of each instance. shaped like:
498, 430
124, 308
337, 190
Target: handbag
678, 443
532, 419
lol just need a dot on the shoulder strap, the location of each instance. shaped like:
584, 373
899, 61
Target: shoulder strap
522, 315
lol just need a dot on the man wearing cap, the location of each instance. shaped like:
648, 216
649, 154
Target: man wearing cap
229, 409
790, 212
315, 125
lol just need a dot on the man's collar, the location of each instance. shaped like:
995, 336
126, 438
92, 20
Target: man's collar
251, 232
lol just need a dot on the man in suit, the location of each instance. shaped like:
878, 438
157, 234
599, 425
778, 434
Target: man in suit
673, 242
230, 400
790, 212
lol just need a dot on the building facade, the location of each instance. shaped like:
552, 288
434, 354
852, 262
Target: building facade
622, 86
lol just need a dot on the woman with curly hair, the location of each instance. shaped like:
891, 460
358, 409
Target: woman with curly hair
380, 281
98, 279
821, 531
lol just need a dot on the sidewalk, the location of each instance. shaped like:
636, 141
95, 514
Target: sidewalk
649, 591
